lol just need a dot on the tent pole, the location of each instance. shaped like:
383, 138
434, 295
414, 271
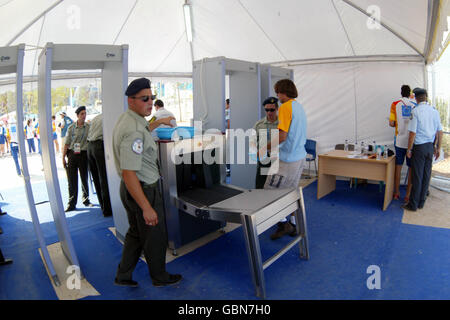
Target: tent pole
433, 16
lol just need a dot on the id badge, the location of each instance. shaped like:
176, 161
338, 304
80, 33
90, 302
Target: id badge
77, 148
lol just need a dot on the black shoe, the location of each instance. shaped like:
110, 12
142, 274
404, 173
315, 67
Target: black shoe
2, 213
88, 204
125, 283
409, 207
293, 233
171, 280
282, 229
1, 230
69, 208
107, 214
420, 206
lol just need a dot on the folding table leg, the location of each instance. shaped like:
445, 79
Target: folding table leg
254, 255
300, 219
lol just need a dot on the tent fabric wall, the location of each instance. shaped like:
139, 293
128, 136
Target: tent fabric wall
352, 100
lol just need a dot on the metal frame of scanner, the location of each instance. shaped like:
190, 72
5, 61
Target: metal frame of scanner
256, 210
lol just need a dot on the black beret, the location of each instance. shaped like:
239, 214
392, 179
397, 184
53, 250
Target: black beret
79, 109
270, 100
137, 85
419, 91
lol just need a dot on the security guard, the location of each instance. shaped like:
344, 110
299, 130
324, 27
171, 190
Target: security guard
425, 139
75, 148
97, 166
265, 126
135, 157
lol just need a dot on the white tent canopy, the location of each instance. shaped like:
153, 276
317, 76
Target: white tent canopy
263, 31
349, 57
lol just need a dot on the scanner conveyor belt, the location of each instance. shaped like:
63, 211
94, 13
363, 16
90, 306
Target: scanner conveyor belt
208, 196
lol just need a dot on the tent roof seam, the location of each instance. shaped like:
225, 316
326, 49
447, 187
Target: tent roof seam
53, 6
351, 4
343, 26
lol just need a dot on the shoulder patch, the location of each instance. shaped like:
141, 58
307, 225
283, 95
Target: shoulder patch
138, 146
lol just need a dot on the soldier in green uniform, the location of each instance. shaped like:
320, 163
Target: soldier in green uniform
135, 157
75, 147
97, 165
266, 124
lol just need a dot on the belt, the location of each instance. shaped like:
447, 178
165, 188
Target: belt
148, 186
95, 141
70, 150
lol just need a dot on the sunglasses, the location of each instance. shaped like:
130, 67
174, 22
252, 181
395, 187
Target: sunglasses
145, 98
270, 110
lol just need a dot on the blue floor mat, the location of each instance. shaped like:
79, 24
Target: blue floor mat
348, 232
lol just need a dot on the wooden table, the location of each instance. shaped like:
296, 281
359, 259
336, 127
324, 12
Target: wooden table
337, 163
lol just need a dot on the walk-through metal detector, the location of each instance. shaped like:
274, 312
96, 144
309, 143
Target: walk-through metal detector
208, 78
11, 61
269, 76
113, 61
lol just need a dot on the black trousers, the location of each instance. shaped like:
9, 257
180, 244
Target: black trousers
77, 163
152, 240
421, 163
260, 179
97, 166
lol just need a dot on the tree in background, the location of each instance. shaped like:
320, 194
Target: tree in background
442, 106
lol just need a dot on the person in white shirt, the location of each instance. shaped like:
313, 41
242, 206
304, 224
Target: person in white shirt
160, 113
401, 111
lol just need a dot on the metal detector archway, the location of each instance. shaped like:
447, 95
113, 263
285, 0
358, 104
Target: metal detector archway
11, 61
113, 61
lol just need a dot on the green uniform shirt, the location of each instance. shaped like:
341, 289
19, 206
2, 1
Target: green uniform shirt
76, 134
265, 124
134, 147
96, 129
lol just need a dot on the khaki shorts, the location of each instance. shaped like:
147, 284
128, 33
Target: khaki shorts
288, 175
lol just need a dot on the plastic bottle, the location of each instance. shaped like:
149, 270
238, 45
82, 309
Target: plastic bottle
374, 148
385, 155
346, 145
378, 152
363, 148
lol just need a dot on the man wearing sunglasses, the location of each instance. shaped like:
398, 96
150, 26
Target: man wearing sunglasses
265, 127
136, 160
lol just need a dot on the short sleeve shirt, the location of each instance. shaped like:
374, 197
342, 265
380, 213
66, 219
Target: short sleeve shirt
265, 124
425, 123
96, 129
134, 147
401, 113
163, 113
292, 119
77, 134
67, 122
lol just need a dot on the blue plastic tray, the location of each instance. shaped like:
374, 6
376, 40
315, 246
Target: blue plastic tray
182, 132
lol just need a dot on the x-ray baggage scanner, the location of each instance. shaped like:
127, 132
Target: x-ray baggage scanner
193, 184
113, 61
